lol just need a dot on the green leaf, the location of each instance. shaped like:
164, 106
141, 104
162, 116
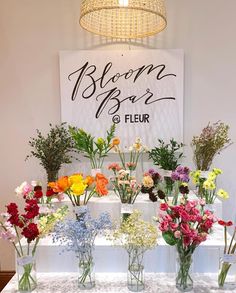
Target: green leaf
169, 238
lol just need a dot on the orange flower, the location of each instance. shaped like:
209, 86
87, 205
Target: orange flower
89, 180
101, 184
115, 141
61, 185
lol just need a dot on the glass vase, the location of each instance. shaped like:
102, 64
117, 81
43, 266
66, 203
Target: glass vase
135, 277
86, 278
227, 281
26, 273
52, 175
184, 282
94, 172
126, 211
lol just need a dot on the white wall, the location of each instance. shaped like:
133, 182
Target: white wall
33, 32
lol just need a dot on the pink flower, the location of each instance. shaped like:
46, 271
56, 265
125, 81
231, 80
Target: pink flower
10, 234
202, 202
190, 205
27, 189
185, 228
173, 226
164, 226
177, 234
187, 241
184, 216
114, 167
164, 207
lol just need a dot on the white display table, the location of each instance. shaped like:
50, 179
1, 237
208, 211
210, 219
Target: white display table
116, 283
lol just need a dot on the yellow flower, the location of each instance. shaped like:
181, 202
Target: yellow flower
211, 176
100, 141
217, 171
223, 194
78, 188
148, 181
75, 179
209, 185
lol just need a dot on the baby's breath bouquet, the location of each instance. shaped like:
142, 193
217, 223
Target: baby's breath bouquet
136, 236
206, 185
212, 141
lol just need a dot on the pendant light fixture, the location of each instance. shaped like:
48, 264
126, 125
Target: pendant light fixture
126, 19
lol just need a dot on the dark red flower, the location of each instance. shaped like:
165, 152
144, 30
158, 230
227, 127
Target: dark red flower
12, 209
31, 208
38, 194
229, 223
30, 232
50, 192
37, 187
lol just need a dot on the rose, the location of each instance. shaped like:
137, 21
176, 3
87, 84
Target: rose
185, 228
164, 226
101, 184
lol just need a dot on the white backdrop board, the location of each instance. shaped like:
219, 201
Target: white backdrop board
141, 91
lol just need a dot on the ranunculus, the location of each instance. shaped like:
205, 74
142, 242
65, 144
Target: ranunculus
148, 181
61, 185
78, 188
115, 141
101, 184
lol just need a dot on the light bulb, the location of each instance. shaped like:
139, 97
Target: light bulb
124, 2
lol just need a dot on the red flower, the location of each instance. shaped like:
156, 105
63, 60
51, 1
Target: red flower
164, 206
223, 223
30, 232
38, 194
12, 209
50, 192
31, 208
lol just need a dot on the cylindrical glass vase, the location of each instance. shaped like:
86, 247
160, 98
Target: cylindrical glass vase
227, 280
26, 273
126, 211
184, 281
135, 277
86, 278
94, 172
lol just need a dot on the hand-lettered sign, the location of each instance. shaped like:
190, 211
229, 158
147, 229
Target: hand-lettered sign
140, 91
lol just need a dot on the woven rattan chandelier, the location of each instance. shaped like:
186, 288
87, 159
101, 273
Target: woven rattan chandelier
123, 18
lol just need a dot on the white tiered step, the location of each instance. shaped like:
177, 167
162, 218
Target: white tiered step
112, 205
51, 258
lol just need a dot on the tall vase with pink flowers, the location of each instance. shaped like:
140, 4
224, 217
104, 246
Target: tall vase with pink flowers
185, 226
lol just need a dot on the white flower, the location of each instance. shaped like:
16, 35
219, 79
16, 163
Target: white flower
19, 190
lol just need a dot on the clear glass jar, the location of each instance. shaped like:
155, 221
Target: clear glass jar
126, 210
86, 278
135, 276
26, 273
227, 280
184, 281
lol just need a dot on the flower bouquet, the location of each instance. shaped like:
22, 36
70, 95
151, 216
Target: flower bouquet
134, 151
80, 189
32, 226
185, 226
167, 157
126, 188
228, 259
94, 150
151, 183
207, 185
212, 141
136, 236
79, 237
